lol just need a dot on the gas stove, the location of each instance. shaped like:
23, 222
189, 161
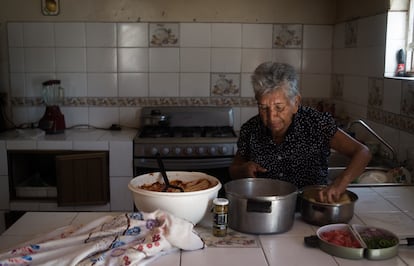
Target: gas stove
200, 132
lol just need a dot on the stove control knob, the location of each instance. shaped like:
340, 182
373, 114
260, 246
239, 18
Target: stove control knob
213, 150
201, 150
165, 150
177, 151
189, 150
223, 150
154, 150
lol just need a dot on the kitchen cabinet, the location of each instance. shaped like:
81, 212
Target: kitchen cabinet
82, 179
74, 178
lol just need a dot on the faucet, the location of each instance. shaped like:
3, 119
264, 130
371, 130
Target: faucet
378, 137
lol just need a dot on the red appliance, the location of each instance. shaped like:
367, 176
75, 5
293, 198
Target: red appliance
53, 121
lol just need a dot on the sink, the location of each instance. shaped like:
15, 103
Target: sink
337, 163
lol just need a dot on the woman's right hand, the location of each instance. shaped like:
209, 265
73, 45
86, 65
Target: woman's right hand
251, 169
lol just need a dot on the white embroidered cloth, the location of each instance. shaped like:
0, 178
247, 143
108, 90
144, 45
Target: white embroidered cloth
126, 239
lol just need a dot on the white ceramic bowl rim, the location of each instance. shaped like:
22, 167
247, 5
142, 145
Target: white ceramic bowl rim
156, 175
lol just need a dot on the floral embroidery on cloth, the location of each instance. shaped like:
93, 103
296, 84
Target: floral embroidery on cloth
126, 239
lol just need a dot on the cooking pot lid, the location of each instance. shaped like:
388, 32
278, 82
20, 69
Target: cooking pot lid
259, 188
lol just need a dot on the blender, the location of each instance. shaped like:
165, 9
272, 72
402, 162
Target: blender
53, 121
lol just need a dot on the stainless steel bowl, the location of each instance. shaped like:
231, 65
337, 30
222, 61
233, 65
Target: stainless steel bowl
318, 213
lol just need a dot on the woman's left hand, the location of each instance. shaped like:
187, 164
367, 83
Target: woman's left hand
330, 194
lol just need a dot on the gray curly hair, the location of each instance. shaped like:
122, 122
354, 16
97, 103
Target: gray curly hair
272, 76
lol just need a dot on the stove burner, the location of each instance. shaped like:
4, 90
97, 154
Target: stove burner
187, 132
156, 132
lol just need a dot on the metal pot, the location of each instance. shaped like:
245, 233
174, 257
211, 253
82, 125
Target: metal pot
156, 118
261, 205
318, 213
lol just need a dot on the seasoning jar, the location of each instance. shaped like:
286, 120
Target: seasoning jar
220, 216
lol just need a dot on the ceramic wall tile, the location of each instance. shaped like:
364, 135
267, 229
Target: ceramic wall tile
292, 57
133, 84
103, 117
226, 35
123, 200
101, 60
337, 86
34, 82
117, 151
315, 85
129, 117
75, 115
16, 60
246, 113
39, 60
163, 84
339, 36
351, 33
407, 104
257, 36
371, 31
164, 60
251, 58
195, 35
17, 84
132, 34
38, 35
74, 84
246, 88
15, 34
194, 84
316, 61
369, 63
70, 59
133, 59
164, 34
375, 92
70, 34
102, 84
195, 59
317, 36
396, 22
225, 84
100, 34
287, 36
355, 90
225, 60
392, 95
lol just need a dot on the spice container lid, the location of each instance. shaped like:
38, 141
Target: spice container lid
220, 201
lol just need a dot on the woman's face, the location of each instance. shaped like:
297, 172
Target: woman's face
276, 111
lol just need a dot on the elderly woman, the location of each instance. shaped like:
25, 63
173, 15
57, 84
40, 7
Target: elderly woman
291, 142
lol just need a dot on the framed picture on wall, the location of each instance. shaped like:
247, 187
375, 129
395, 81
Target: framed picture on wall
50, 7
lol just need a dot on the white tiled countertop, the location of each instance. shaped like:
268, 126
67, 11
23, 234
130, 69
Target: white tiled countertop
391, 208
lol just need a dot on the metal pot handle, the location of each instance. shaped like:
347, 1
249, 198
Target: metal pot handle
259, 206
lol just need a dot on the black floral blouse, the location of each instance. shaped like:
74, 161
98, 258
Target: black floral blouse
302, 158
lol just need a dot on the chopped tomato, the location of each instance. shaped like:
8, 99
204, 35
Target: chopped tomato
343, 238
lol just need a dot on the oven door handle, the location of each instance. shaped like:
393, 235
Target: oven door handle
185, 163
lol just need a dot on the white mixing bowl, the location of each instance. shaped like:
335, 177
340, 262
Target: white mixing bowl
191, 206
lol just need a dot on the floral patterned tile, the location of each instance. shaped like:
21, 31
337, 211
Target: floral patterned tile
225, 84
287, 36
337, 86
164, 34
407, 102
351, 30
375, 92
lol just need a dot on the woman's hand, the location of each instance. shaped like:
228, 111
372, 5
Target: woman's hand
331, 194
241, 168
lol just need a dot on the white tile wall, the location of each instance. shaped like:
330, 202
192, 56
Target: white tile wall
195, 35
106, 59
